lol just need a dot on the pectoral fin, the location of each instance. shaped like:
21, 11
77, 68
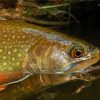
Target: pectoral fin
2, 87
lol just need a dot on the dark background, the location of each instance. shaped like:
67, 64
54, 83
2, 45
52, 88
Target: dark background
88, 13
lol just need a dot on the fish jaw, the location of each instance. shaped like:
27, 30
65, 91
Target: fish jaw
74, 71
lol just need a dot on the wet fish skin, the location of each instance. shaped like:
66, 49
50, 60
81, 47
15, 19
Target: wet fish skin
27, 49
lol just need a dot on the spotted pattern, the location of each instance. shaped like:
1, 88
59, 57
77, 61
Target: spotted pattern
14, 45
17, 38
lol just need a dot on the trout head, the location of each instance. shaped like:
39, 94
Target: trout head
70, 59
81, 56
58, 60
50, 57
71, 56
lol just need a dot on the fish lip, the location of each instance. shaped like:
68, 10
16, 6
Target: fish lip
70, 66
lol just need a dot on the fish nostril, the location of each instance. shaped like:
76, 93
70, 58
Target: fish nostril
92, 47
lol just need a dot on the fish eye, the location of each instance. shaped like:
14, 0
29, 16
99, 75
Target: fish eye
77, 52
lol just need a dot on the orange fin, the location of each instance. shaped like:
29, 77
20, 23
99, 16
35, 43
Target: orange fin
2, 87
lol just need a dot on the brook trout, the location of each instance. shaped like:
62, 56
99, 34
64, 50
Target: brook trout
28, 50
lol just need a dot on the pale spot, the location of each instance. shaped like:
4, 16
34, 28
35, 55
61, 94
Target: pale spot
4, 57
19, 55
5, 47
13, 36
1, 50
13, 59
10, 69
3, 42
18, 36
23, 37
2, 69
26, 50
9, 52
4, 31
4, 63
15, 50
8, 39
5, 35
17, 63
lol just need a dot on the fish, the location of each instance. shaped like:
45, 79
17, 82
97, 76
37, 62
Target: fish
28, 50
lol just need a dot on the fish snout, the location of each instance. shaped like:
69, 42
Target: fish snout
96, 52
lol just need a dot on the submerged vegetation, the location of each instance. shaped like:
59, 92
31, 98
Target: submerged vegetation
57, 14
51, 13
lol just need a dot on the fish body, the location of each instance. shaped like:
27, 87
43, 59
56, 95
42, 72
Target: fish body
27, 49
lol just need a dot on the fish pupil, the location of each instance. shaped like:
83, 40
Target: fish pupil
78, 53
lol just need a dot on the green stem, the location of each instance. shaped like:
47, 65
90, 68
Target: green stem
47, 23
54, 6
